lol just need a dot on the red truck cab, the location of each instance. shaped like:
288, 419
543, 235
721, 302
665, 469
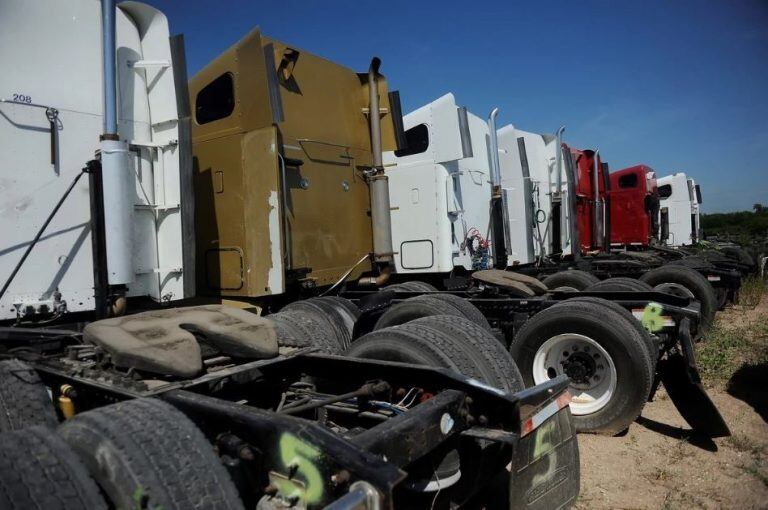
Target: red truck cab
634, 206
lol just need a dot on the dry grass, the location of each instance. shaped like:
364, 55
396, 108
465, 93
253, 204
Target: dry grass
752, 290
737, 339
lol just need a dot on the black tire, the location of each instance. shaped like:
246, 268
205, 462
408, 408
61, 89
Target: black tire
335, 320
693, 262
149, 447
469, 310
414, 286
416, 308
651, 343
296, 329
348, 305
346, 308
721, 295
621, 284
24, 401
612, 333
740, 254
38, 470
692, 280
573, 278
421, 343
493, 359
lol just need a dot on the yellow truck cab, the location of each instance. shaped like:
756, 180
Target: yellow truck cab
283, 164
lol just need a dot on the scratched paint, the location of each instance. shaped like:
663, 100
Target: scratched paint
275, 275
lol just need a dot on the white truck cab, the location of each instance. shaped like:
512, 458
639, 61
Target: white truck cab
533, 180
439, 190
52, 114
442, 192
677, 213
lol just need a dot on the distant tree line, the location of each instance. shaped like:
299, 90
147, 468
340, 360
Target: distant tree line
751, 223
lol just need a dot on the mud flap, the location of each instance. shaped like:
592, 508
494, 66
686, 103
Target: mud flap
681, 379
545, 467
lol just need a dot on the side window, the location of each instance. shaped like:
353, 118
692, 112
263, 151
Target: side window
216, 100
416, 141
628, 181
665, 191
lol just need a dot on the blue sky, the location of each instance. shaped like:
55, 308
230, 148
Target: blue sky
680, 85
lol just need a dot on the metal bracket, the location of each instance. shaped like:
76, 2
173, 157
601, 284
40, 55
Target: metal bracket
144, 64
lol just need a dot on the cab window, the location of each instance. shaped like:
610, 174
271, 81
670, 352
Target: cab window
416, 141
665, 191
216, 100
628, 181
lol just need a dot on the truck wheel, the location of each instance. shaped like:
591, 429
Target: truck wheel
722, 297
24, 401
39, 470
336, 318
652, 346
346, 308
571, 279
416, 308
621, 284
740, 254
414, 286
490, 355
296, 329
685, 282
462, 351
420, 343
469, 310
692, 261
149, 448
605, 357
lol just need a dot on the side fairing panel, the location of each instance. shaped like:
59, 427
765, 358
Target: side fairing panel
420, 225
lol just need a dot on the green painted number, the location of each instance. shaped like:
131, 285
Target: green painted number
299, 456
652, 319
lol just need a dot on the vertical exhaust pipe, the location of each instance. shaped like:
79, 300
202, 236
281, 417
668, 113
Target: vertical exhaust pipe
495, 165
598, 225
559, 162
117, 181
380, 207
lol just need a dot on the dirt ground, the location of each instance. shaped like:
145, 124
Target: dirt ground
659, 464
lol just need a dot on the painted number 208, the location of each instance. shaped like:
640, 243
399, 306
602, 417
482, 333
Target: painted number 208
22, 98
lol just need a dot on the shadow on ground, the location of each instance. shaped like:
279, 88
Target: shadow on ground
693, 438
750, 384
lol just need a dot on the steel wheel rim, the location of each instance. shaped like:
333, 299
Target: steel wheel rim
588, 396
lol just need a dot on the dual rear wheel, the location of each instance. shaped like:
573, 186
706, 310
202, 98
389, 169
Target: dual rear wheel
141, 453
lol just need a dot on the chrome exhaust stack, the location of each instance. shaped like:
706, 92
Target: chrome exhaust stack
381, 219
598, 225
559, 164
495, 164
